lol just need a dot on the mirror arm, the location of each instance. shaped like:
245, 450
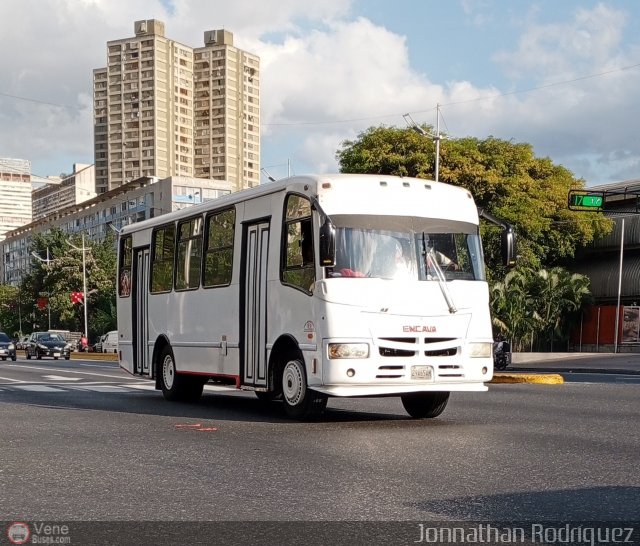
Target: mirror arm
491, 218
316, 205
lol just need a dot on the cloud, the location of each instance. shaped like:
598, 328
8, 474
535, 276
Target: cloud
562, 50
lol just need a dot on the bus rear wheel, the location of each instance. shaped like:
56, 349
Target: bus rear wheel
425, 405
177, 387
300, 402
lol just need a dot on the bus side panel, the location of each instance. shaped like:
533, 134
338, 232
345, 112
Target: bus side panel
194, 323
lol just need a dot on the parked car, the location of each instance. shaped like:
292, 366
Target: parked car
7, 347
109, 342
47, 344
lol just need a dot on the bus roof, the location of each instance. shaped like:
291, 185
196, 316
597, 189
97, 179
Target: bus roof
349, 194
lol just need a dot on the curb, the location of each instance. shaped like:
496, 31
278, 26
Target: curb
539, 378
95, 356
617, 371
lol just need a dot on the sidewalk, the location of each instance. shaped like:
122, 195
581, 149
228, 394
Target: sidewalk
620, 363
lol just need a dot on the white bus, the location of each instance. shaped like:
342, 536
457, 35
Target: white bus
312, 287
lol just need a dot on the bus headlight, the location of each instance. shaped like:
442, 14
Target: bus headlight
480, 350
348, 350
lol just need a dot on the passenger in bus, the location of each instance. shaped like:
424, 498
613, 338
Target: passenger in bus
444, 261
125, 283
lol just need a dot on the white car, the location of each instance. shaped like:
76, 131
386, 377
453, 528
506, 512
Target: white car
109, 342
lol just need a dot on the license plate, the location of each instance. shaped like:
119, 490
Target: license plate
423, 373
56, 354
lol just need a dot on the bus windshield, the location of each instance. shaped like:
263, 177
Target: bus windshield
407, 254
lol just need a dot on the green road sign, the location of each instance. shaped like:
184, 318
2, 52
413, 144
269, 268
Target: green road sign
586, 200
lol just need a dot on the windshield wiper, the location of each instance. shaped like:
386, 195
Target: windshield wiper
430, 260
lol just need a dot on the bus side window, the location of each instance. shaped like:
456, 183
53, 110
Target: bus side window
218, 249
163, 251
189, 254
298, 267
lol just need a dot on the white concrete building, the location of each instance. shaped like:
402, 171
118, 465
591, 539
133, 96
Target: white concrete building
138, 200
71, 190
15, 194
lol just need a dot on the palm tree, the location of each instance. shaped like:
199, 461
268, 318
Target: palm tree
511, 305
561, 295
533, 303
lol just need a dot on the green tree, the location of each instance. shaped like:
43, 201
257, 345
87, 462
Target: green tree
538, 305
63, 274
560, 296
512, 309
10, 314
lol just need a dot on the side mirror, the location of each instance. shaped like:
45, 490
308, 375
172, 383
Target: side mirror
327, 244
508, 246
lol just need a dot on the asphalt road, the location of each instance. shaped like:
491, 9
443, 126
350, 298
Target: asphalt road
84, 441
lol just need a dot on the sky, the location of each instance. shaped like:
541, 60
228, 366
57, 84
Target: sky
563, 76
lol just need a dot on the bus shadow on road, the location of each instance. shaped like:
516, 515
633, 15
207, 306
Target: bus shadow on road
237, 406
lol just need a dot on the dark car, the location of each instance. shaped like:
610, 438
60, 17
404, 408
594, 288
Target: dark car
48, 344
7, 347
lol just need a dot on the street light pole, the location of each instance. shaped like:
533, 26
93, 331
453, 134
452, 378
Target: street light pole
436, 138
48, 293
19, 311
47, 261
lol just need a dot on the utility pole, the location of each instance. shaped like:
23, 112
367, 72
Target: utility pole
47, 261
615, 342
436, 139
84, 281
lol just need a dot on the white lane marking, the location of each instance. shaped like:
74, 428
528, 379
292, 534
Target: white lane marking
38, 388
143, 386
22, 366
99, 388
10, 379
62, 378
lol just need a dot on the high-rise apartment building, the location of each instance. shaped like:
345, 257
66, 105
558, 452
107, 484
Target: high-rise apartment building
15, 194
163, 109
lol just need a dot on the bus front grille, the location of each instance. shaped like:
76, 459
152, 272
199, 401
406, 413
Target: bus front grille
387, 372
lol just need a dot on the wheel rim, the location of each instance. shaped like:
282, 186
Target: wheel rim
293, 387
168, 371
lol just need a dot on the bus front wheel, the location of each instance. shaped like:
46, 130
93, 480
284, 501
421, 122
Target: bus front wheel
300, 402
424, 405
177, 387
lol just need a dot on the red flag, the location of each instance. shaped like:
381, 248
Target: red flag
76, 297
42, 303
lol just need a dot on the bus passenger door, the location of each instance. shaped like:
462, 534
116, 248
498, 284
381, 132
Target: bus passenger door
140, 311
255, 303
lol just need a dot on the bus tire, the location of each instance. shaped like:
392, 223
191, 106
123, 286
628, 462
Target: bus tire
300, 402
425, 405
177, 387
